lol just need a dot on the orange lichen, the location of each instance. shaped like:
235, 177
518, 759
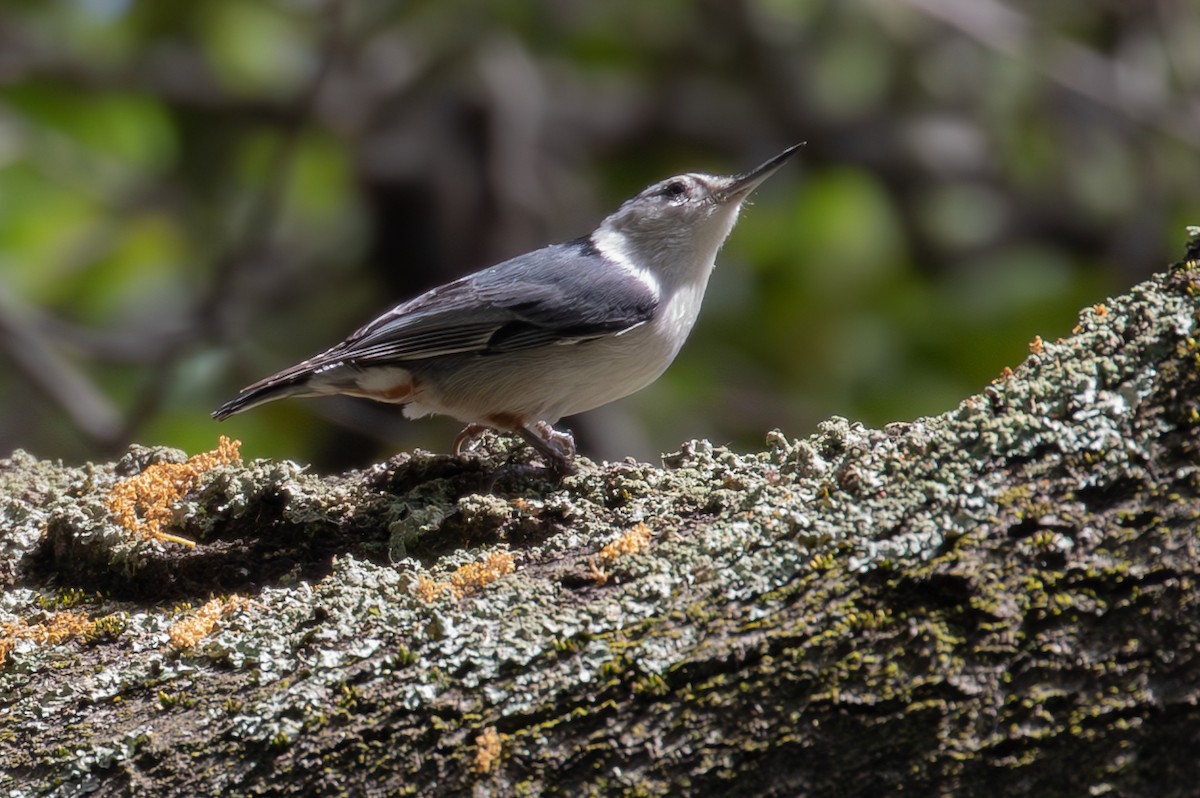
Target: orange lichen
429, 590
201, 623
633, 541
468, 578
55, 629
598, 572
1006, 374
475, 575
1037, 345
1101, 310
487, 750
145, 503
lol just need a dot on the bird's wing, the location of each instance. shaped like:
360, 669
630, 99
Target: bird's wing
561, 294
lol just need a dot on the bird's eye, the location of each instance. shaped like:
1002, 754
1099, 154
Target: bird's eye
676, 188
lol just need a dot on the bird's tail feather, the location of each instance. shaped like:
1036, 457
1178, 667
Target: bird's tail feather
260, 394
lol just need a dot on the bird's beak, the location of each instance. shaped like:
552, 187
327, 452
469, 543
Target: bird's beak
739, 187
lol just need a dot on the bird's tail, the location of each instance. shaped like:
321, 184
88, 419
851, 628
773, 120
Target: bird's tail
260, 393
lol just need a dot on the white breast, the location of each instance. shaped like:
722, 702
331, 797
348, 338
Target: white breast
550, 382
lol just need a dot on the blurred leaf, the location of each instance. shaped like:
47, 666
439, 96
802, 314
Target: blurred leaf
963, 215
129, 128
40, 226
840, 237
850, 72
138, 276
256, 47
321, 190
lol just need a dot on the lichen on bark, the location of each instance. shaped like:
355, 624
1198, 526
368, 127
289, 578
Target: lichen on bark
1001, 599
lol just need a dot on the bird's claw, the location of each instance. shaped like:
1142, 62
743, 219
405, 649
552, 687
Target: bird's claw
558, 448
466, 440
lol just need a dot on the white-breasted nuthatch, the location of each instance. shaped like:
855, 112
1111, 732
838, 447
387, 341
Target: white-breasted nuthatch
557, 331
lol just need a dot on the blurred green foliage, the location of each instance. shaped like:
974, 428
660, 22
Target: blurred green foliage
193, 195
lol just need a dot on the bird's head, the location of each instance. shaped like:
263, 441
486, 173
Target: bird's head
683, 220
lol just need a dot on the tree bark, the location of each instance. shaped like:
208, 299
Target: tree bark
999, 600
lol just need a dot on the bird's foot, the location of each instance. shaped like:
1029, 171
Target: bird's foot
564, 442
557, 448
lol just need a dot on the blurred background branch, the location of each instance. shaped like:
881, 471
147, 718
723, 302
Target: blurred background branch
192, 196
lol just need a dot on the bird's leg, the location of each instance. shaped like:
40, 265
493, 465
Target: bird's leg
468, 438
557, 447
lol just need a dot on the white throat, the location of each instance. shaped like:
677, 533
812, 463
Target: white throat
671, 259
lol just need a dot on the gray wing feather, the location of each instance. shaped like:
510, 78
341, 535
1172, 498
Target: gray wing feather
563, 293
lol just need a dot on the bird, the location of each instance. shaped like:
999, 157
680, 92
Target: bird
551, 333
